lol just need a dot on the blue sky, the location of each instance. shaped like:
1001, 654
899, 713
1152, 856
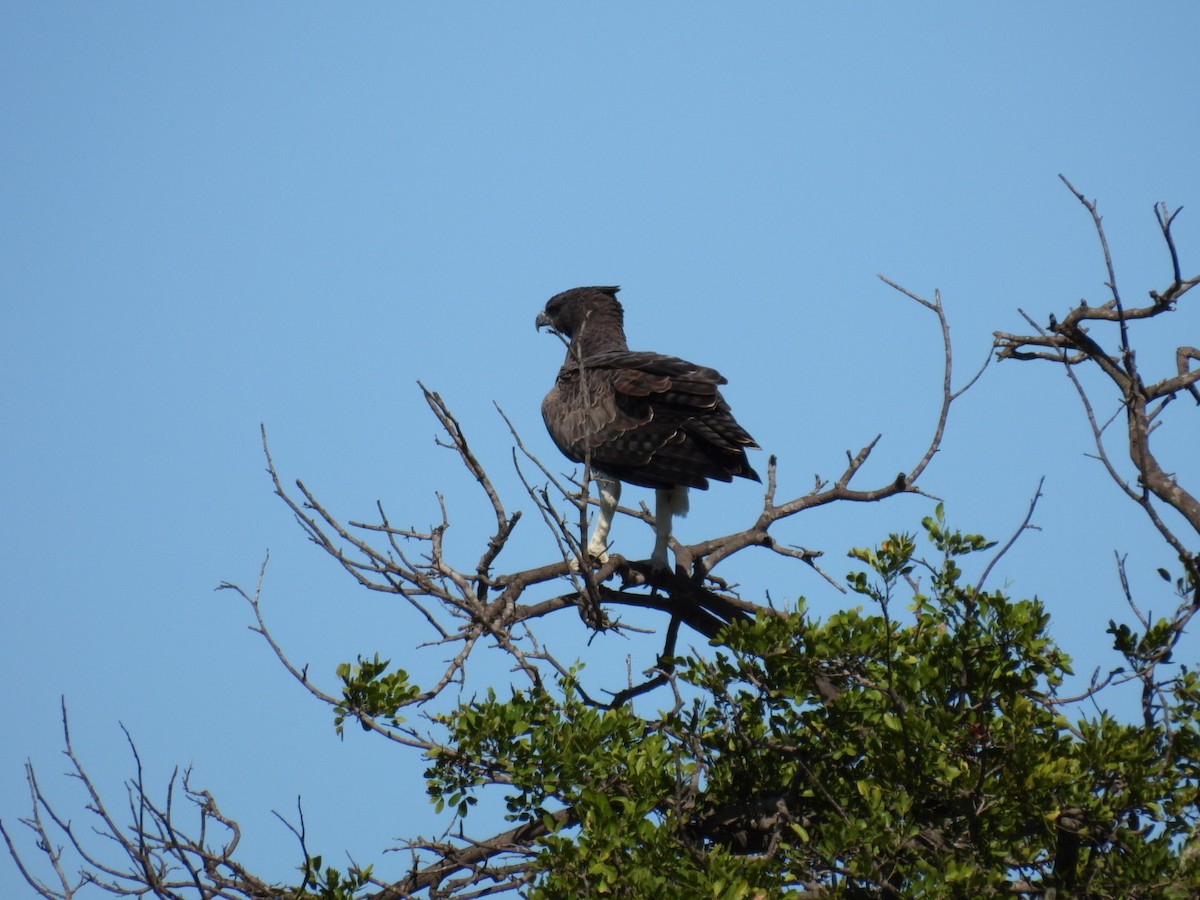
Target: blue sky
217, 216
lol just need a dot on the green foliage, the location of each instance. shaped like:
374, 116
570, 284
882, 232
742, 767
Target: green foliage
613, 769
367, 690
543, 746
919, 752
331, 884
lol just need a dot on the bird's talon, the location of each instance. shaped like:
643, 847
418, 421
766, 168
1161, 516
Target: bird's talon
596, 559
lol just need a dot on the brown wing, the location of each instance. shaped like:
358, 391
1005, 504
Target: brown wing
648, 419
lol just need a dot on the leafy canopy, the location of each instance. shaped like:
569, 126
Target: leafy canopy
883, 751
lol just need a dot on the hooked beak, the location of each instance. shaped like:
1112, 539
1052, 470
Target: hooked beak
543, 321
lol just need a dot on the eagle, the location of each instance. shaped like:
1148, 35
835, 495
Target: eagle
636, 417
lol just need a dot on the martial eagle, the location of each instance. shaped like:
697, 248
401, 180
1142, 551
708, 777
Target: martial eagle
643, 418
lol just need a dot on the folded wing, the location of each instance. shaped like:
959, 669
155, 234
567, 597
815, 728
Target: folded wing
647, 419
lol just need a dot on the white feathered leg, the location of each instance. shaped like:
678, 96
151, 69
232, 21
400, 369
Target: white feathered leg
668, 503
610, 494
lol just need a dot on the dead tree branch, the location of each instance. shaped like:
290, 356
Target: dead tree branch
1069, 341
153, 855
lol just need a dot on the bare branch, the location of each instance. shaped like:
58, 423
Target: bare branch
1069, 343
1021, 529
158, 857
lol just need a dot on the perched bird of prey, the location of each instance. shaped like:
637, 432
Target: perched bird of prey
643, 418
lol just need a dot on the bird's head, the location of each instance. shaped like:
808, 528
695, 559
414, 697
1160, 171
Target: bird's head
566, 313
